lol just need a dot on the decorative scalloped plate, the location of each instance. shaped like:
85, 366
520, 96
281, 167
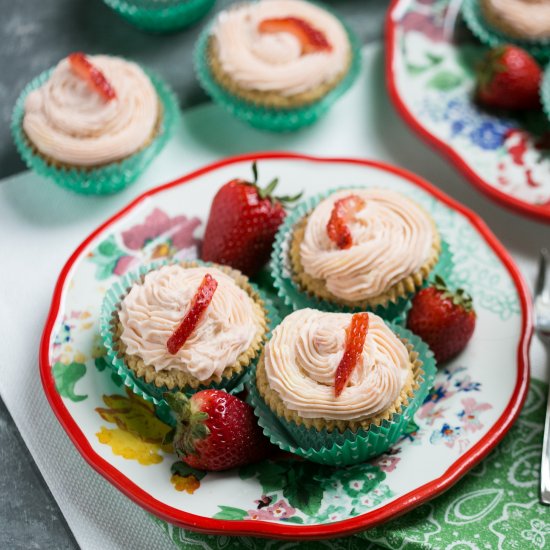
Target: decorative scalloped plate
475, 399
431, 56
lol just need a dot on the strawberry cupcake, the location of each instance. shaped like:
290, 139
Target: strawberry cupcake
525, 23
161, 15
93, 123
183, 327
344, 386
277, 64
355, 249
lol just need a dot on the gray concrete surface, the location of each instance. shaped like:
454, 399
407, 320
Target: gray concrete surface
34, 35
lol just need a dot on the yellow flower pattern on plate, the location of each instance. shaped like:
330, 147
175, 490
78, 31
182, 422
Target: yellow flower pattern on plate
129, 446
139, 433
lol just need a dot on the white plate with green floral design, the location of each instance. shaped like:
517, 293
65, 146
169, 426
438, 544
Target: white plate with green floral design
430, 74
474, 402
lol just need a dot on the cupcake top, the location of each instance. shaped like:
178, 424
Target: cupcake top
282, 46
154, 308
519, 18
389, 238
303, 355
67, 120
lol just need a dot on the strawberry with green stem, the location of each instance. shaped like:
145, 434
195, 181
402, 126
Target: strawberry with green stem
443, 318
216, 431
242, 224
508, 77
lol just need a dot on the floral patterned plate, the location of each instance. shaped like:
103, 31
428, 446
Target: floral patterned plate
430, 75
474, 402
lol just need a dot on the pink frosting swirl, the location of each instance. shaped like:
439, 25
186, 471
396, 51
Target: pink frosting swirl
392, 237
273, 62
68, 121
521, 18
304, 352
152, 310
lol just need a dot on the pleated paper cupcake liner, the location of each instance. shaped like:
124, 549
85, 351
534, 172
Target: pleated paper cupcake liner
347, 448
103, 180
545, 92
161, 17
294, 297
489, 35
271, 118
149, 391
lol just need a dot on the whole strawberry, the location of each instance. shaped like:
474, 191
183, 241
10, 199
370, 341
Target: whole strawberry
216, 431
242, 224
508, 78
445, 320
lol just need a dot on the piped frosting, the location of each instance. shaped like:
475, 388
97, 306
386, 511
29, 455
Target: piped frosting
274, 62
153, 309
391, 239
519, 18
304, 352
69, 122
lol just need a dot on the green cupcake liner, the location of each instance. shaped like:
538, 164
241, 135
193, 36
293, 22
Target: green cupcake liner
273, 119
545, 92
103, 180
161, 16
149, 391
295, 298
347, 448
489, 35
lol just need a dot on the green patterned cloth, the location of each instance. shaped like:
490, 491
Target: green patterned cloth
494, 506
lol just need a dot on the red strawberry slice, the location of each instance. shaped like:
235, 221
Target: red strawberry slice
312, 39
343, 212
356, 335
92, 75
200, 302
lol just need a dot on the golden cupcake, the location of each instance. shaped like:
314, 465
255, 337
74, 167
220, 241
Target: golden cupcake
364, 248
92, 111
279, 54
518, 19
298, 375
147, 326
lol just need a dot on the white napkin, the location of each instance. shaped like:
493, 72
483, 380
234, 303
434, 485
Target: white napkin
41, 225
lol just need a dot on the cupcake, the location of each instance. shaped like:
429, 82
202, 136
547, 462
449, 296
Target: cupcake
277, 64
93, 123
358, 249
161, 15
331, 405
143, 318
521, 19
523, 22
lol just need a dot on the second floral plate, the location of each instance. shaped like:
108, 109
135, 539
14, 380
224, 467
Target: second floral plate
430, 75
474, 401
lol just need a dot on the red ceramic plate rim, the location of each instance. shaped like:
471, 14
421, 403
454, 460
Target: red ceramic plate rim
540, 213
272, 529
